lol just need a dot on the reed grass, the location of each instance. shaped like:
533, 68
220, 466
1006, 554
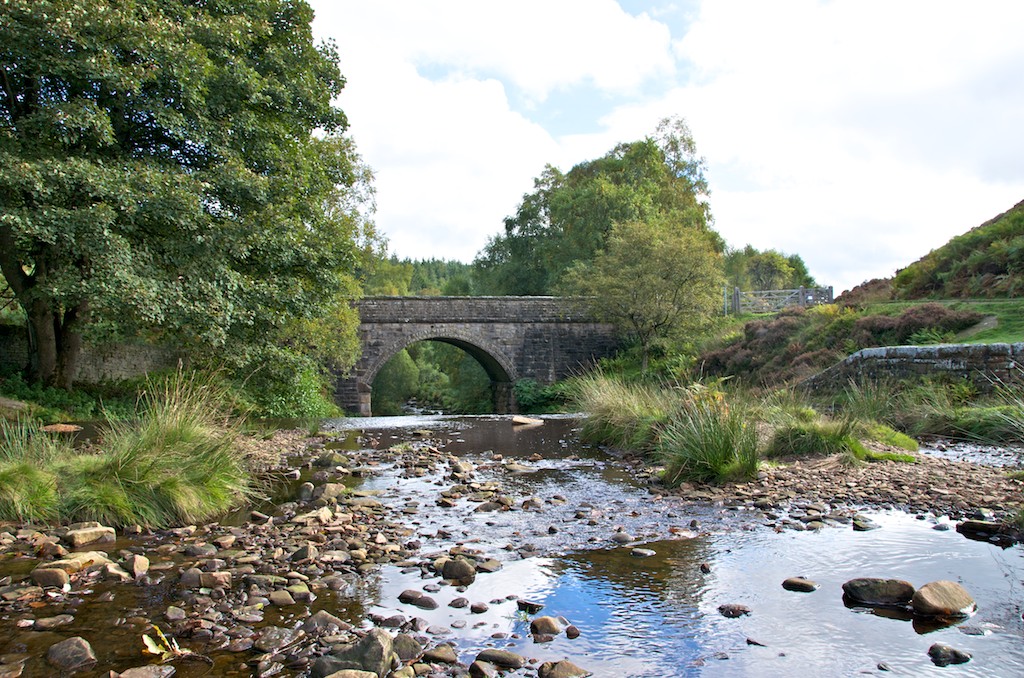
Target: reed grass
707, 441
176, 464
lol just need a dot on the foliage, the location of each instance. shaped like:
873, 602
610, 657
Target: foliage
395, 384
533, 398
177, 464
750, 269
436, 375
653, 280
568, 217
987, 261
174, 170
797, 342
706, 440
391, 276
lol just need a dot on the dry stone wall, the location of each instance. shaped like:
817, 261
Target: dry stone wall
984, 365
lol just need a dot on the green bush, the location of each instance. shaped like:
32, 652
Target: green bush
707, 441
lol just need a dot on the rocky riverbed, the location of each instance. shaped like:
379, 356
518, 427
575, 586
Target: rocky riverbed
399, 552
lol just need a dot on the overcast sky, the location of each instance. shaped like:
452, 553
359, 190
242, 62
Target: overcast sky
858, 134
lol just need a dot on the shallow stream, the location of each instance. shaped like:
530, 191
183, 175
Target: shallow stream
637, 616
657, 616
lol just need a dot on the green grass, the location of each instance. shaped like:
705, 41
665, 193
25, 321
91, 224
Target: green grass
708, 441
622, 414
176, 464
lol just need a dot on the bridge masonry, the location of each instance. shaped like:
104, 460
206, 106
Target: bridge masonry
539, 338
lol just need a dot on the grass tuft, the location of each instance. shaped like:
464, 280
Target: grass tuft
708, 441
177, 464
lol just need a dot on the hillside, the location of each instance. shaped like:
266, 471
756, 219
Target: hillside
987, 261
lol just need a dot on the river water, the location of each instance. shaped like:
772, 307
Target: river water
658, 616
654, 616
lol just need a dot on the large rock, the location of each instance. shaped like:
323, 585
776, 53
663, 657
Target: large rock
71, 655
546, 625
51, 577
944, 655
89, 533
562, 669
943, 599
502, 658
872, 591
80, 561
151, 671
459, 570
371, 653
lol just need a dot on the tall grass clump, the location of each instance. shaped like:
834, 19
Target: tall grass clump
177, 463
622, 414
28, 489
708, 441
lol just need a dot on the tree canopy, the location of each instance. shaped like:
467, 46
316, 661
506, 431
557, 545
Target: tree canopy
173, 167
653, 279
568, 217
750, 269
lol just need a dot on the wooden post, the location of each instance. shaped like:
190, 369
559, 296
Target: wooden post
736, 300
829, 288
803, 296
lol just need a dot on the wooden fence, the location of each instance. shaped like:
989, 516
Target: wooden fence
771, 301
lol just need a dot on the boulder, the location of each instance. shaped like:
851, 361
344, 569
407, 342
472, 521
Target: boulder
459, 570
943, 599
944, 655
371, 653
800, 584
546, 625
90, 533
442, 654
502, 658
882, 592
50, 577
71, 655
562, 669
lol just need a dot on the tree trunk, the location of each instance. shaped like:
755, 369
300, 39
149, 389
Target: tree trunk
44, 362
57, 345
69, 346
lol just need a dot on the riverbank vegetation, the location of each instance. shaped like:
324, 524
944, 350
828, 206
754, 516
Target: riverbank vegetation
177, 462
718, 432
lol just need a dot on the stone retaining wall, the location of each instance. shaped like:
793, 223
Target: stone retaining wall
104, 362
984, 365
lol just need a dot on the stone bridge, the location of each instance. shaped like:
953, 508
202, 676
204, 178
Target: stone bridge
539, 338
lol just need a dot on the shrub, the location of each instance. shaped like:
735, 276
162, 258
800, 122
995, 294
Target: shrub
707, 441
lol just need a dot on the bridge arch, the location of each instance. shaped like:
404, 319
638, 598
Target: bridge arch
539, 338
498, 366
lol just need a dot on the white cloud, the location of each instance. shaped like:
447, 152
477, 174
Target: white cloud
859, 134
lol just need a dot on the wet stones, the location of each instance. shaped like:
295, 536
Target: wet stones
882, 592
733, 611
561, 669
945, 599
373, 653
800, 585
73, 654
944, 655
546, 626
83, 534
459, 570
501, 658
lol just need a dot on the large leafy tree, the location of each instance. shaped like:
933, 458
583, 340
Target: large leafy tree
568, 217
653, 279
170, 166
